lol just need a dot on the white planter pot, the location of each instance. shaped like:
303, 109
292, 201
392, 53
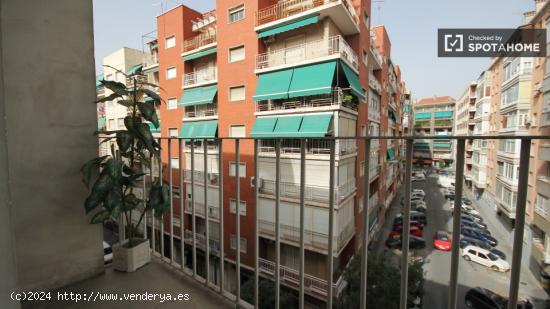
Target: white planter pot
130, 259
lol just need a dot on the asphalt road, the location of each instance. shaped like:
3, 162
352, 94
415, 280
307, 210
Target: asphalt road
437, 266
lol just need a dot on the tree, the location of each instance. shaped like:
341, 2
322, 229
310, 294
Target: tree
266, 291
383, 284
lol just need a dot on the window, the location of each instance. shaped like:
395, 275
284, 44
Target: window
170, 42
510, 95
237, 131
236, 53
120, 123
171, 73
363, 130
119, 77
242, 170
236, 94
175, 162
543, 205
172, 103
233, 241
112, 124
233, 207
172, 132
236, 13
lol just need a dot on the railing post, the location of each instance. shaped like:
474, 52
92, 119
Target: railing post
206, 220
182, 220
330, 262
457, 210
256, 231
302, 218
171, 190
238, 219
365, 239
221, 231
277, 221
162, 216
517, 249
193, 218
153, 231
406, 227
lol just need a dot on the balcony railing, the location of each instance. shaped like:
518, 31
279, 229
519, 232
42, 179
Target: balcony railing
150, 60
286, 8
374, 83
199, 77
201, 40
205, 110
212, 178
335, 238
213, 211
338, 97
334, 45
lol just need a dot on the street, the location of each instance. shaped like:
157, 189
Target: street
437, 266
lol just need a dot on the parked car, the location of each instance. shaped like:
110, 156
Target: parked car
419, 191
413, 223
465, 241
485, 258
414, 230
482, 231
442, 241
414, 215
418, 177
418, 203
466, 209
394, 242
107, 253
449, 194
413, 198
473, 224
481, 298
420, 208
466, 201
477, 235
470, 217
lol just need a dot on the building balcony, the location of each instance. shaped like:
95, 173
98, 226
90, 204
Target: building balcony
212, 179
318, 194
376, 55
321, 50
544, 151
200, 42
335, 100
513, 130
213, 211
150, 62
443, 124
214, 245
314, 148
539, 253
514, 105
341, 12
423, 124
200, 78
543, 185
374, 83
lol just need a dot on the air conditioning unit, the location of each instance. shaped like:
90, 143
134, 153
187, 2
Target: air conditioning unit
529, 121
537, 90
270, 39
253, 182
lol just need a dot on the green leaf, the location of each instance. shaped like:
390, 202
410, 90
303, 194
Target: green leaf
113, 168
130, 202
159, 198
147, 138
116, 87
149, 112
113, 199
100, 217
150, 93
110, 97
92, 202
89, 167
124, 141
132, 123
126, 103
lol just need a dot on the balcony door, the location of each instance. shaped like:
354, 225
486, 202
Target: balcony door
295, 49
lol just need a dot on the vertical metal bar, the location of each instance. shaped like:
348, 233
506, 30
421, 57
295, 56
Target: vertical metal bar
406, 226
182, 199
144, 197
455, 254
153, 232
365, 239
330, 255
206, 220
222, 249
302, 217
256, 230
193, 218
277, 221
515, 271
170, 175
161, 180
238, 219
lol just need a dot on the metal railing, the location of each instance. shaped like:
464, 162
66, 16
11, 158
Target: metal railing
374, 83
334, 45
201, 40
150, 60
338, 97
199, 77
314, 147
312, 193
303, 281
286, 8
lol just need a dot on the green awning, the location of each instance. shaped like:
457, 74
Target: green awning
203, 53
136, 68
391, 154
199, 129
101, 123
353, 81
444, 114
198, 96
315, 125
312, 80
98, 79
288, 126
292, 126
421, 145
263, 127
442, 145
392, 114
427, 115
291, 26
273, 85
154, 129
406, 108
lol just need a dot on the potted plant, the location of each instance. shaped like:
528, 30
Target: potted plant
118, 174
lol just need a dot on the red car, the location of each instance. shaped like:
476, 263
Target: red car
413, 223
397, 230
442, 241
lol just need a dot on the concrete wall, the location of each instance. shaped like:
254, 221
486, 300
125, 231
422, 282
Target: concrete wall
48, 80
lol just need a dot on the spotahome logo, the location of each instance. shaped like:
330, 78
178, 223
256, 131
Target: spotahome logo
491, 42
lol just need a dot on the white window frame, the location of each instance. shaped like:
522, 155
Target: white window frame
171, 131
175, 73
233, 243
120, 123
231, 49
235, 87
235, 10
172, 103
169, 39
233, 207
231, 127
242, 169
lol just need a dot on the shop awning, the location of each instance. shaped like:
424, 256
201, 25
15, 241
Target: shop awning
198, 96
353, 80
427, 115
203, 53
199, 129
273, 85
290, 26
391, 154
292, 126
444, 114
312, 80
136, 68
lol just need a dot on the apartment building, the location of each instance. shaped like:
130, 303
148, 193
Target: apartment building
276, 69
511, 98
464, 126
434, 116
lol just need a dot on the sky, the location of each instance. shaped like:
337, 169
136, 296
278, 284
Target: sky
411, 24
